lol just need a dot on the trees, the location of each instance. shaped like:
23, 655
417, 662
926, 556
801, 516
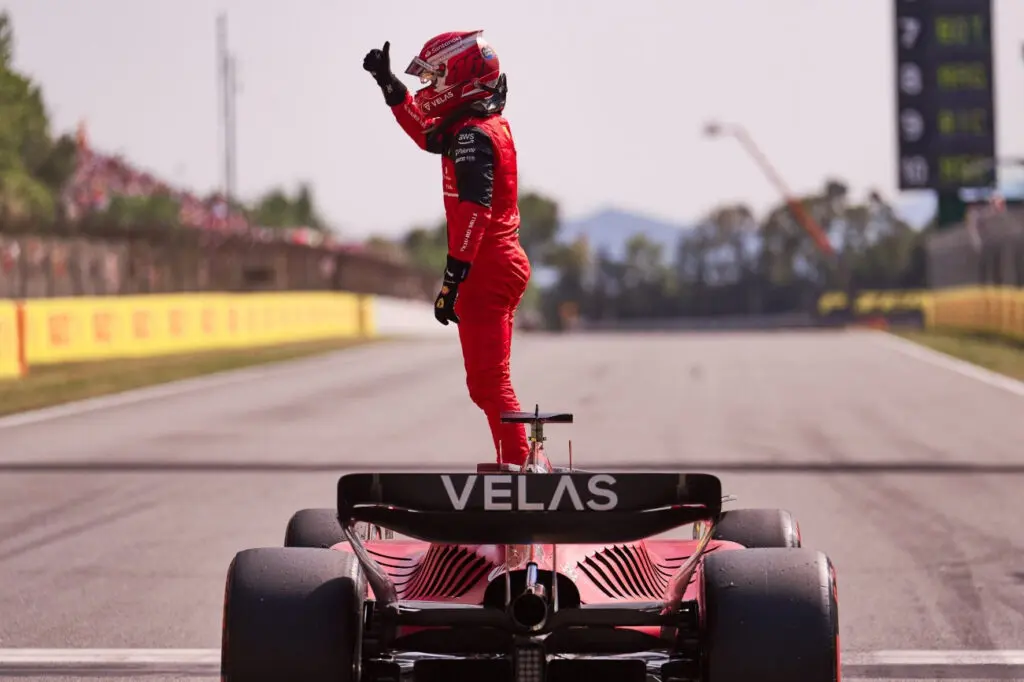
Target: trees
277, 209
540, 219
160, 211
427, 247
730, 263
33, 165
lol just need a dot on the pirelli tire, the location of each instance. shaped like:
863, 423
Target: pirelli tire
759, 528
771, 615
292, 613
320, 528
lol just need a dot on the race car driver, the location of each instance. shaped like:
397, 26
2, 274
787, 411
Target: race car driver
458, 115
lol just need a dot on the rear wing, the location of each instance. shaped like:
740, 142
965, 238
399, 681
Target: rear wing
515, 508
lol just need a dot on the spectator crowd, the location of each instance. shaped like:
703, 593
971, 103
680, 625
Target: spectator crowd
99, 177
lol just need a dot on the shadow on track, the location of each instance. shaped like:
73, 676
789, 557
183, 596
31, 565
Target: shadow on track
742, 467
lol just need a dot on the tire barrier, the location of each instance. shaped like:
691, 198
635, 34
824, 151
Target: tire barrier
874, 308
979, 309
995, 310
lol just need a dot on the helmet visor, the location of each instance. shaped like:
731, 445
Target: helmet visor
427, 74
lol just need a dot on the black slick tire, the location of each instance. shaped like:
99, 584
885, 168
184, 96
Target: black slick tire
770, 615
758, 528
292, 614
313, 528
320, 528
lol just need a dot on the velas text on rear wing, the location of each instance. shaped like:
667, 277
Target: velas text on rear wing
530, 492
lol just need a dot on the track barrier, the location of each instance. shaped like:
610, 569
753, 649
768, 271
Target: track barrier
47, 331
995, 310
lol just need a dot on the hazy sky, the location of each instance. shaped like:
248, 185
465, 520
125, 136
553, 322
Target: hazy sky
606, 99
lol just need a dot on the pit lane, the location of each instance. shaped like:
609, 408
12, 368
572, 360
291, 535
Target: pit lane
117, 523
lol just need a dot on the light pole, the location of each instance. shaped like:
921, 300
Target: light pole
810, 225
227, 82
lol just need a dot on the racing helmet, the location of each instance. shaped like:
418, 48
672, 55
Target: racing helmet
458, 68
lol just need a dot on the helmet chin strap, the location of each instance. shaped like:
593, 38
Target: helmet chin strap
495, 104
500, 89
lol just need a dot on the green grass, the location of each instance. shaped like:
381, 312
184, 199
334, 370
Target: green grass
56, 384
997, 354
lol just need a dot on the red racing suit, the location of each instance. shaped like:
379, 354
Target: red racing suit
480, 187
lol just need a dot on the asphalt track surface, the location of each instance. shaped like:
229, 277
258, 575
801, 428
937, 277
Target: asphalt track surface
117, 523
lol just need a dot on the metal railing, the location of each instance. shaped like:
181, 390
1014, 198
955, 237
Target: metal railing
109, 261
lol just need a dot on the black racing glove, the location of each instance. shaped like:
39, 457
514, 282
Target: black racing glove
378, 63
455, 273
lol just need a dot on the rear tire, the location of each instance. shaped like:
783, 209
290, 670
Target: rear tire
758, 528
292, 614
320, 528
770, 615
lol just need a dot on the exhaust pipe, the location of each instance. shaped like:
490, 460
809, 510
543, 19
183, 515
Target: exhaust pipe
529, 610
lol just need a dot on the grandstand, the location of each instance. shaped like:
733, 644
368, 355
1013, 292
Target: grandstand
100, 177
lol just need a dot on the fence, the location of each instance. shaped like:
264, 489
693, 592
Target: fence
975, 277
107, 261
988, 249
976, 274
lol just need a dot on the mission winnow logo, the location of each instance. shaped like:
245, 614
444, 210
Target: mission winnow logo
533, 493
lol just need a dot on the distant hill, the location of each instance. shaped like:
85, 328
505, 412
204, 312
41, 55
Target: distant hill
611, 228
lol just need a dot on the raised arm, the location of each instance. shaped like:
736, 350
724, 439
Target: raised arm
397, 96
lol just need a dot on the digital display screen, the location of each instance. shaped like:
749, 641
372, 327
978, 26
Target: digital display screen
945, 94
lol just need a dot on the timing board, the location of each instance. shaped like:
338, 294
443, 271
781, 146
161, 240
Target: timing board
945, 94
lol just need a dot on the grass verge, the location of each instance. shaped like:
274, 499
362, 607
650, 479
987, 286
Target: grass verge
997, 354
53, 385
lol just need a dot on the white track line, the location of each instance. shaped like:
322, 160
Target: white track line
206, 663
155, 392
110, 656
961, 367
1007, 657
130, 397
110, 662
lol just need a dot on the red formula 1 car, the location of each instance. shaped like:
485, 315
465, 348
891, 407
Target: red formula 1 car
541, 574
